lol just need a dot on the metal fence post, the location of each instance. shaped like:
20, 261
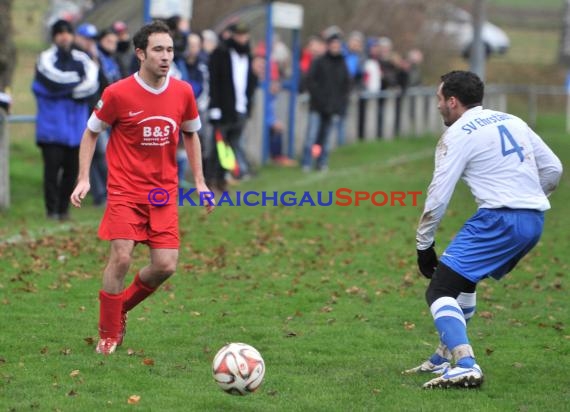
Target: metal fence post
4, 161
532, 105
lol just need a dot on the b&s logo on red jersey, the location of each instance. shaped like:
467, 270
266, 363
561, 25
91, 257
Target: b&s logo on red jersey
157, 130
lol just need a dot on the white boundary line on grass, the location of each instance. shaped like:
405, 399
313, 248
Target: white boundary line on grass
32, 236
316, 176
307, 179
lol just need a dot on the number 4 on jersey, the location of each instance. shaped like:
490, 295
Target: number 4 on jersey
507, 140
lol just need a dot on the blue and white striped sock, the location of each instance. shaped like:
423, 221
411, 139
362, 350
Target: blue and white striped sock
467, 303
451, 326
441, 355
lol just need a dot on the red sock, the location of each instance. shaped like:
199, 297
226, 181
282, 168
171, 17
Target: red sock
135, 293
110, 306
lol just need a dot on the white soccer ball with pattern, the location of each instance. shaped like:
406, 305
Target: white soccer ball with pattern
238, 368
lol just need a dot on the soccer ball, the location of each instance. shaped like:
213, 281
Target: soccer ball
238, 369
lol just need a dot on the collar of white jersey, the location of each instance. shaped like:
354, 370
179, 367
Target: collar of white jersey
472, 111
150, 89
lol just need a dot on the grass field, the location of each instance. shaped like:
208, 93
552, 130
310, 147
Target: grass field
329, 296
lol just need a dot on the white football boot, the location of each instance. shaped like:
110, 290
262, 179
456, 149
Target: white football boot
428, 367
457, 377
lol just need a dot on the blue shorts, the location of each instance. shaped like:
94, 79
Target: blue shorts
492, 242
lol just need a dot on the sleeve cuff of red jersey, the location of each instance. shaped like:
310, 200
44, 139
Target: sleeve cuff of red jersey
193, 125
95, 124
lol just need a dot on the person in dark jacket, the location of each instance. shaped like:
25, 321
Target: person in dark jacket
232, 84
65, 79
328, 83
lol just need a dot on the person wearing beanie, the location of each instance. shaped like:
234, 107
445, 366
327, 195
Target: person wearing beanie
61, 26
328, 82
64, 79
124, 54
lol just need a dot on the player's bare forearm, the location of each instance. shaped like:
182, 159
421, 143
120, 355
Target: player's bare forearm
194, 153
86, 150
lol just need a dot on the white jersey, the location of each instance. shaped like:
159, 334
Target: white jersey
504, 163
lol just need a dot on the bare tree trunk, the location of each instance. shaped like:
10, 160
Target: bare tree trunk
7, 47
7, 64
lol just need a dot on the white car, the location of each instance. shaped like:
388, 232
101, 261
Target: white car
456, 25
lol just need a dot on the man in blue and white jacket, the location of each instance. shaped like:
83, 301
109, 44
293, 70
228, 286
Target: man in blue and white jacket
64, 80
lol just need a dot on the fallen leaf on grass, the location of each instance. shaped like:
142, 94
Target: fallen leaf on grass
148, 361
558, 326
74, 373
409, 325
353, 290
486, 315
133, 399
489, 351
89, 340
72, 393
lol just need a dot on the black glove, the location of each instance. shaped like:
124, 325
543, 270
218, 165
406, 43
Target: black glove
427, 261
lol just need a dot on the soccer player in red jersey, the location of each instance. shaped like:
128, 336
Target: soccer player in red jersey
146, 113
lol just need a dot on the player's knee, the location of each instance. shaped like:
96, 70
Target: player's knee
121, 261
164, 268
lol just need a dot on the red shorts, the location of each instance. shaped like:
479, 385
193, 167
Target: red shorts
156, 226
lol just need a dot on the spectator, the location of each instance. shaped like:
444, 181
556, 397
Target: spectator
209, 41
414, 60
5, 101
179, 28
389, 75
124, 54
411, 76
314, 48
354, 58
106, 52
64, 80
328, 83
232, 84
86, 39
371, 83
109, 72
275, 125
281, 55
196, 73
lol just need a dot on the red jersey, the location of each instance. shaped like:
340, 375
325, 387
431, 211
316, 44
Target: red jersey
145, 128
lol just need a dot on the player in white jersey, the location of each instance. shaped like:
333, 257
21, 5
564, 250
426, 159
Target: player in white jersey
510, 172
